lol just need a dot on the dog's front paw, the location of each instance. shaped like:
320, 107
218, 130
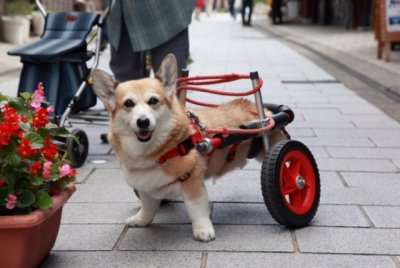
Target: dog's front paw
137, 221
204, 233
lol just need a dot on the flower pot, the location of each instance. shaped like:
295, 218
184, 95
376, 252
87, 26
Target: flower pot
27, 239
15, 29
38, 23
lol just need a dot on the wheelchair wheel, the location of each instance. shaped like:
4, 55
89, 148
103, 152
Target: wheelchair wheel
290, 183
78, 152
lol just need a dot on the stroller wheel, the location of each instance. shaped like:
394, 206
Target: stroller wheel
290, 183
78, 151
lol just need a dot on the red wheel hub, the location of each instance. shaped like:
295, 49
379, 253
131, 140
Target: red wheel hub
297, 182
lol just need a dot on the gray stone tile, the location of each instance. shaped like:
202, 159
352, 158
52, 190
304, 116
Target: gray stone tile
229, 238
102, 161
386, 142
83, 173
339, 141
98, 213
102, 193
239, 213
384, 217
397, 162
172, 213
121, 259
339, 216
322, 124
366, 153
87, 236
357, 165
237, 186
373, 121
364, 189
357, 133
348, 240
356, 108
241, 259
108, 176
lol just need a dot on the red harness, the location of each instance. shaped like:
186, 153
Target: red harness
184, 147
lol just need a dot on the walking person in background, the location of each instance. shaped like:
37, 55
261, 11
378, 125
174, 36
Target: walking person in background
247, 4
136, 26
277, 11
200, 5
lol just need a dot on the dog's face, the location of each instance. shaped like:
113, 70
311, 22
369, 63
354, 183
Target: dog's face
140, 106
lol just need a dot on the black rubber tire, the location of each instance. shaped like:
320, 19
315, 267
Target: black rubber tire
271, 187
78, 152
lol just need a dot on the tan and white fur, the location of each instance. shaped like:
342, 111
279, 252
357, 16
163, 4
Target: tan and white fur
146, 120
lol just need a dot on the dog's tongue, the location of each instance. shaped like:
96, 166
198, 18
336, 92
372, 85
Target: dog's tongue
144, 135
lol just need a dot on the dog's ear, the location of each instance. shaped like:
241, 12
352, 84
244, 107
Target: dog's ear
104, 86
167, 74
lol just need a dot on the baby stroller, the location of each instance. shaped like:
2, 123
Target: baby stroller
59, 60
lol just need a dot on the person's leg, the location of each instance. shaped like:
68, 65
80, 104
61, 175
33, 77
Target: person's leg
179, 46
250, 4
126, 64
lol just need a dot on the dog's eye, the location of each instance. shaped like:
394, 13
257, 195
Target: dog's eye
129, 103
153, 101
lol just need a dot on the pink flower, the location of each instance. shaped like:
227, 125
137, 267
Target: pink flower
37, 97
65, 170
50, 109
11, 201
47, 170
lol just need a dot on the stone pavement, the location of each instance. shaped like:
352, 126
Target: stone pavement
356, 146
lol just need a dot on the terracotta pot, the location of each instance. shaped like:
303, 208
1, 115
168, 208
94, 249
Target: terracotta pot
27, 239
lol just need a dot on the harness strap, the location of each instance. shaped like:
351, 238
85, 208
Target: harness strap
232, 153
184, 147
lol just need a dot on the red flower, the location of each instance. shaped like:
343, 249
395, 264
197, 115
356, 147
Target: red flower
41, 119
49, 150
35, 168
25, 150
1, 183
11, 118
5, 134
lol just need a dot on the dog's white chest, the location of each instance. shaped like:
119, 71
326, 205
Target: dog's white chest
151, 180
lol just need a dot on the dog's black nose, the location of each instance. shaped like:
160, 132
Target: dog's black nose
143, 122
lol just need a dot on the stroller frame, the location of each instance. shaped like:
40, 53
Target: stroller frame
59, 60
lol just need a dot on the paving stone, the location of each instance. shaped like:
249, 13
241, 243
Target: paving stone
364, 189
386, 142
240, 259
240, 186
357, 108
102, 161
121, 259
110, 176
366, 153
357, 133
98, 213
358, 165
348, 240
381, 121
322, 124
102, 193
339, 141
83, 173
384, 217
240, 213
339, 216
87, 236
229, 238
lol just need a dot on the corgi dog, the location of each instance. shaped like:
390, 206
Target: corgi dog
147, 122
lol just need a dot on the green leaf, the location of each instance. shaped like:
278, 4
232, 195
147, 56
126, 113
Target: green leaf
25, 126
43, 200
25, 199
37, 180
51, 126
26, 95
3, 196
62, 132
37, 142
17, 103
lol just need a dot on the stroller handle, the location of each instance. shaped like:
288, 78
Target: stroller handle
41, 8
